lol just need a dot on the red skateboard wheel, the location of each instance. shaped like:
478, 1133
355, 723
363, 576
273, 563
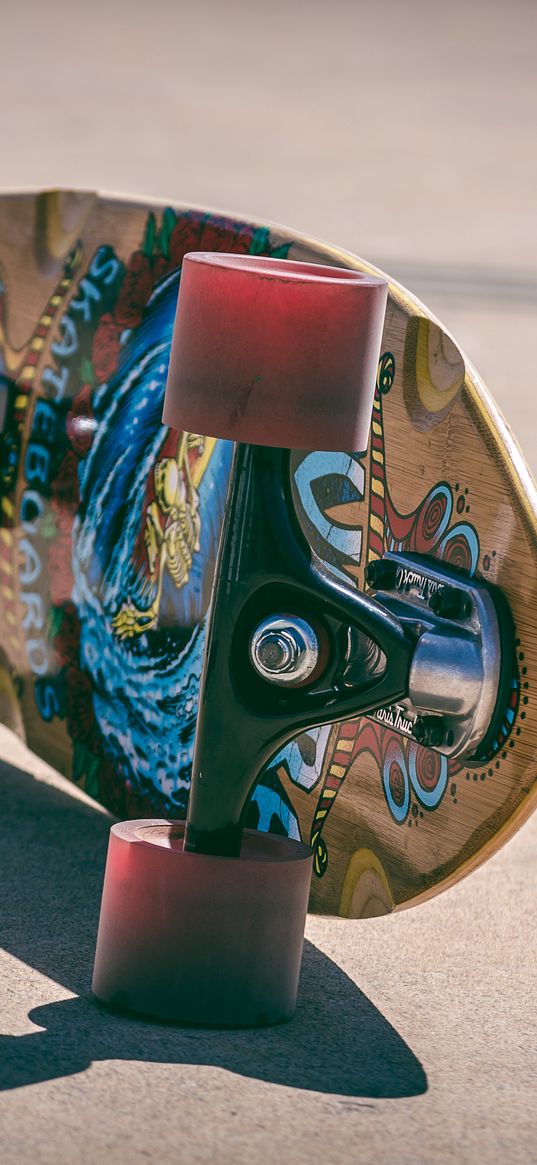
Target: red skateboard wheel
274, 352
201, 939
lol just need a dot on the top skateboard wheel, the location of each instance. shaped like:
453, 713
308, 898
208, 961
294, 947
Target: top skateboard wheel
274, 352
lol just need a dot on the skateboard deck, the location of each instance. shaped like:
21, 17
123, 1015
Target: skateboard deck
109, 525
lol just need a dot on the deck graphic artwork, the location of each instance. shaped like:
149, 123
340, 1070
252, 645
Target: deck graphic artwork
413, 778
109, 526
121, 518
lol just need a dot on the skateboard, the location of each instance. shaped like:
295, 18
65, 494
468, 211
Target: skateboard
110, 525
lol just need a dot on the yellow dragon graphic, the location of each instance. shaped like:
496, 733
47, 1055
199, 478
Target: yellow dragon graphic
172, 531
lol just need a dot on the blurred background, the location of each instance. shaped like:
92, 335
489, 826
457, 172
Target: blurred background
403, 130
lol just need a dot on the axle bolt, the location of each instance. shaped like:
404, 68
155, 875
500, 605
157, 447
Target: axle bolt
381, 574
429, 731
284, 650
450, 603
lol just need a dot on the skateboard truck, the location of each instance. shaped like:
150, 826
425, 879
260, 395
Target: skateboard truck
463, 660
205, 922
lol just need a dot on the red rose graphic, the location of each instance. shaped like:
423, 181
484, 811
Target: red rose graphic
243, 241
105, 350
60, 570
80, 422
80, 714
63, 518
65, 493
135, 291
200, 233
67, 640
185, 237
64, 504
160, 267
225, 235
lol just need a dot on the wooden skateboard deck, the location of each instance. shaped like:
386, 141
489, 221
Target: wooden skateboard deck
109, 528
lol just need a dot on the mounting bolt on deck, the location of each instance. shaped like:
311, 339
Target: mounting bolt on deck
450, 603
381, 574
429, 731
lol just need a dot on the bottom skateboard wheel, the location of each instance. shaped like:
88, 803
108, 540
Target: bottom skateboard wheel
201, 939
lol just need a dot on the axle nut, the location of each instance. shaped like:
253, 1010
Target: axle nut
284, 650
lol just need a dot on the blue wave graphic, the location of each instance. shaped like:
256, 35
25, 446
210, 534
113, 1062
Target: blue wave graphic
145, 688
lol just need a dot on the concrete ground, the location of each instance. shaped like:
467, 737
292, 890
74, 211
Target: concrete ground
413, 1042
404, 132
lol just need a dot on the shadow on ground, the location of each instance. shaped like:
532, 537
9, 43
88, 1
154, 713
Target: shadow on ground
53, 853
